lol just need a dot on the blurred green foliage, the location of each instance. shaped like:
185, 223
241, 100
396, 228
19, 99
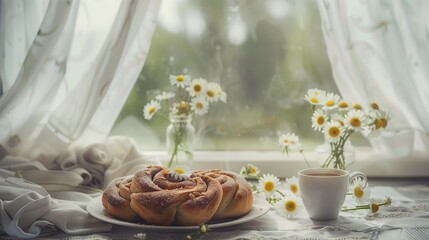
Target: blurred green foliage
265, 77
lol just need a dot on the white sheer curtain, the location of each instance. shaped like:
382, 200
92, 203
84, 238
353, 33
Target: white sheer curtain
67, 68
379, 51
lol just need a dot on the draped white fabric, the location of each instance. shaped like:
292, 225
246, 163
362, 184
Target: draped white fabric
38, 198
66, 69
379, 51
80, 66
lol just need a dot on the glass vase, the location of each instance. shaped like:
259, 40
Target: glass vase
334, 156
180, 136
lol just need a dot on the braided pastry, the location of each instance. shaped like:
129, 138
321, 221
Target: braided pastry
161, 197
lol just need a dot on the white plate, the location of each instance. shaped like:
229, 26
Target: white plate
96, 209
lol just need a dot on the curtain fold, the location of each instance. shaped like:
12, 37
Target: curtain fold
76, 75
379, 52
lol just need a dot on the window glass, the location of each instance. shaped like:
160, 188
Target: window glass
264, 54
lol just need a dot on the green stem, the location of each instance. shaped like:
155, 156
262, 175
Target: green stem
173, 154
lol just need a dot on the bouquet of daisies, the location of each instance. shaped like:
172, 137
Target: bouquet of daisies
188, 98
338, 119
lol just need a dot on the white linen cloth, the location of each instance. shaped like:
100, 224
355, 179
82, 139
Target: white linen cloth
37, 197
407, 218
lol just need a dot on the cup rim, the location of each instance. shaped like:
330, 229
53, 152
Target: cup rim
305, 172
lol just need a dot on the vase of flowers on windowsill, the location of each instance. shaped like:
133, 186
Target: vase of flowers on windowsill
189, 98
337, 119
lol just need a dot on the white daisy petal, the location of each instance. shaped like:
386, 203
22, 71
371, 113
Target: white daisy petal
360, 193
290, 206
331, 101
290, 140
180, 81
200, 105
292, 185
318, 119
150, 109
197, 87
333, 131
212, 92
268, 183
315, 96
165, 96
356, 120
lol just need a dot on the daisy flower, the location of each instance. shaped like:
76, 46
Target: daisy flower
333, 131
315, 96
379, 120
200, 105
292, 185
289, 140
374, 106
180, 81
331, 101
150, 109
373, 207
360, 192
356, 120
197, 87
183, 107
212, 92
268, 183
178, 174
290, 206
318, 119
343, 105
250, 171
357, 106
222, 95
165, 96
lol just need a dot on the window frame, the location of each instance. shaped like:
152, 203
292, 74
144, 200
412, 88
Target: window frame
367, 161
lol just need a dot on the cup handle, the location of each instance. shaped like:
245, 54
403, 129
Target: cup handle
361, 175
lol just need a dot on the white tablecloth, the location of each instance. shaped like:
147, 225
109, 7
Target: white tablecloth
406, 218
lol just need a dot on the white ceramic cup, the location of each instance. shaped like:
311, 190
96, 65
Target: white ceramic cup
323, 190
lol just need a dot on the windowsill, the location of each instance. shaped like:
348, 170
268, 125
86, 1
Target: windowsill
367, 161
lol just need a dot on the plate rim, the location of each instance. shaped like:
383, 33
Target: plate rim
96, 209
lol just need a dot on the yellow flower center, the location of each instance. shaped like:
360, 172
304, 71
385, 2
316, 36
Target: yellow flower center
357, 106
340, 122
269, 186
290, 205
374, 106
343, 104
294, 188
197, 88
180, 78
378, 123
179, 170
384, 122
183, 106
252, 170
358, 192
320, 120
199, 105
330, 103
374, 208
355, 122
210, 93
334, 132
286, 141
151, 110
314, 100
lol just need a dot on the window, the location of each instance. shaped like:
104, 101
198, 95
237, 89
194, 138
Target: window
265, 54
